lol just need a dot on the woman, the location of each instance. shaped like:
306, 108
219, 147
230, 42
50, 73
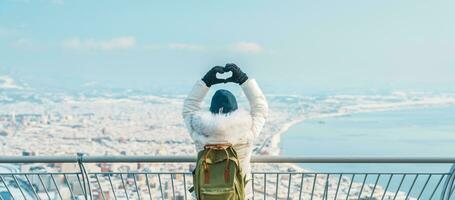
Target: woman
225, 123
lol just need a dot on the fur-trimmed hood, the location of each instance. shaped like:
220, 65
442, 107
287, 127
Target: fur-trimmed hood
234, 127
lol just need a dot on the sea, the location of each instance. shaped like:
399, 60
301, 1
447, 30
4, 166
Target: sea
426, 132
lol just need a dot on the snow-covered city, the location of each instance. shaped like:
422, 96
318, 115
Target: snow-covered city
37, 124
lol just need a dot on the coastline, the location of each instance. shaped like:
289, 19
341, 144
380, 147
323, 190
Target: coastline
275, 139
273, 147
346, 181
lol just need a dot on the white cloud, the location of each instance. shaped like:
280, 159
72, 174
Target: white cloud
240, 47
177, 46
184, 46
246, 47
91, 44
7, 82
90, 83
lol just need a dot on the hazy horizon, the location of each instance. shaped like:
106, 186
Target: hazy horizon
295, 47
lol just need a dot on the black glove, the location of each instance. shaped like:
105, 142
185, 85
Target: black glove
237, 75
211, 79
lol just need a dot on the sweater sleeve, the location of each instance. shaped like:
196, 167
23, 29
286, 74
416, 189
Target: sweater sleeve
193, 101
258, 104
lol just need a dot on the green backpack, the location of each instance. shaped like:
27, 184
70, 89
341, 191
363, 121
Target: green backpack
218, 175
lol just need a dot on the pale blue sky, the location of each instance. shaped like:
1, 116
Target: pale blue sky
301, 46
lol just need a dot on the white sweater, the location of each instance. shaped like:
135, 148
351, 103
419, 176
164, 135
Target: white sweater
239, 128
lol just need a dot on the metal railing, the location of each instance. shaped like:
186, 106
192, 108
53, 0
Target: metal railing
167, 177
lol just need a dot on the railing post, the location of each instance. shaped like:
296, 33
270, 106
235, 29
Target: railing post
449, 185
326, 189
85, 179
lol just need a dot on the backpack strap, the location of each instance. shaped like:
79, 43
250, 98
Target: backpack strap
227, 171
206, 167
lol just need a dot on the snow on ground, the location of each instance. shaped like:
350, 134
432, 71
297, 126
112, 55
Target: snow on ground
57, 124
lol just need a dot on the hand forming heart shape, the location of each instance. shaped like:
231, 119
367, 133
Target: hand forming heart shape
224, 75
229, 73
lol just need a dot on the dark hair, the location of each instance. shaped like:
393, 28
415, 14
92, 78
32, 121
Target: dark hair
223, 101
